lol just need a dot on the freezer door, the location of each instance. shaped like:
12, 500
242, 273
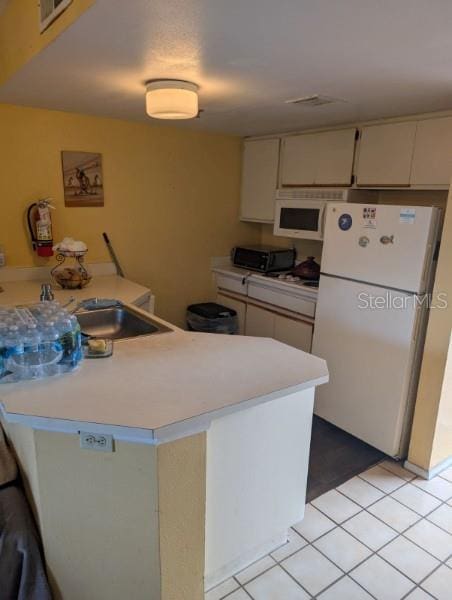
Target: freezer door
369, 352
384, 245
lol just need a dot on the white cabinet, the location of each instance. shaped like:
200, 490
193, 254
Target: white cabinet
265, 323
259, 179
318, 158
299, 159
293, 332
432, 160
397, 154
385, 154
259, 322
238, 306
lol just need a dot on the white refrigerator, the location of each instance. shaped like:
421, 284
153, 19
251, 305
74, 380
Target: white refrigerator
371, 316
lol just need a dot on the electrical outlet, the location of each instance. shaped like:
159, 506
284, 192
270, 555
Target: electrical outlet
96, 441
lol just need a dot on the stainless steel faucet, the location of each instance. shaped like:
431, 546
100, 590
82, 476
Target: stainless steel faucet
46, 293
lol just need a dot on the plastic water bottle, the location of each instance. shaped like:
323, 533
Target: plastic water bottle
14, 344
31, 339
14, 348
50, 338
3, 334
70, 339
50, 350
37, 341
2, 352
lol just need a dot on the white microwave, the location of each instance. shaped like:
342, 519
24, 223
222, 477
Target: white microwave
300, 212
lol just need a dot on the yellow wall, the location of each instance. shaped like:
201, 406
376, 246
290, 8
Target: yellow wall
442, 441
182, 517
97, 513
20, 38
429, 444
171, 197
304, 248
147, 540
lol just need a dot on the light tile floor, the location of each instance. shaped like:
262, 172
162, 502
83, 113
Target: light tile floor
385, 535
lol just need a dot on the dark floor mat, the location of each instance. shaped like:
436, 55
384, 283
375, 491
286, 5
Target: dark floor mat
336, 456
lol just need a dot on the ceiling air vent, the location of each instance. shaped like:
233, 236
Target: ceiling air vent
314, 100
51, 10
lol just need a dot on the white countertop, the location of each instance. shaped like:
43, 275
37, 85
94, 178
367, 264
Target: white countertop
162, 387
101, 286
285, 285
259, 278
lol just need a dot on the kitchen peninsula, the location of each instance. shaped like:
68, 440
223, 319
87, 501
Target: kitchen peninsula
207, 471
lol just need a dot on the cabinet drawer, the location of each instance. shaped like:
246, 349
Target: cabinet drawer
232, 282
297, 304
266, 323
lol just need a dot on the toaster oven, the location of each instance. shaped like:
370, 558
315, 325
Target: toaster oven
264, 258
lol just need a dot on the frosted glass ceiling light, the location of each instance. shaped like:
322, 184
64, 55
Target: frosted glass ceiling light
171, 99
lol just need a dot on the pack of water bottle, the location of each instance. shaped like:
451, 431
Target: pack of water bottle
38, 340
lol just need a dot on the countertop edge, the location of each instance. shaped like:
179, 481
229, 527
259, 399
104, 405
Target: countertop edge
154, 437
26, 291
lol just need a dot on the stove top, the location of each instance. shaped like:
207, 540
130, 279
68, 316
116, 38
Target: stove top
287, 276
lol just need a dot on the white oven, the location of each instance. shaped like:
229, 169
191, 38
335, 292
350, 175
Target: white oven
300, 212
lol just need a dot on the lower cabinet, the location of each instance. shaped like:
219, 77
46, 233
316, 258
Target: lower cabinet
264, 323
259, 322
238, 306
293, 332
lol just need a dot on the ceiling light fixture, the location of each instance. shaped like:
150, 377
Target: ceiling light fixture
171, 99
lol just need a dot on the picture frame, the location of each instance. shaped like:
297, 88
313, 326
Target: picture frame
82, 178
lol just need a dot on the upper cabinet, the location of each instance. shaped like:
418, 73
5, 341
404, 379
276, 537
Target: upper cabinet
432, 160
385, 154
416, 154
259, 179
318, 158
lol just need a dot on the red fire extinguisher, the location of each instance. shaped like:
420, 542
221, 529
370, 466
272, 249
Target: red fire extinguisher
40, 227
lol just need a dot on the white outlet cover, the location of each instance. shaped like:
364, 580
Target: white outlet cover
101, 442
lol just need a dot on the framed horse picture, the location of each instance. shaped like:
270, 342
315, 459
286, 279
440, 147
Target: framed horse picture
83, 179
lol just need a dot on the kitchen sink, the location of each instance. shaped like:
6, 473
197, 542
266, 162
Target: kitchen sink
117, 323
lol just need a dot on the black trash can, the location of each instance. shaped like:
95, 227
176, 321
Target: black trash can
210, 317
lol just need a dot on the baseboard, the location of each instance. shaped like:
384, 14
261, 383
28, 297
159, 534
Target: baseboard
428, 473
213, 579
